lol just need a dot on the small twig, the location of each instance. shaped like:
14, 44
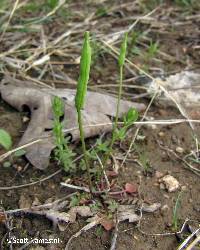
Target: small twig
36, 182
31, 183
115, 235
2, 157
186, 164
104, 172
87, 190
40, 207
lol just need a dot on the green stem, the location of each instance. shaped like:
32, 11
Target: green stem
116, 115
84, 148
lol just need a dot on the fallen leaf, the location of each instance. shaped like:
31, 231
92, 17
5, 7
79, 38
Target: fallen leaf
59, 218
107, 223
2, 218
179, 89
83, 211
131, 188
110, 173
98, 109
127, 212
151, 208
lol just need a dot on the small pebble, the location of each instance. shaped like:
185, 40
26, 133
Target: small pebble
170, 183
179, 150
164, 209
25, 119
161, 134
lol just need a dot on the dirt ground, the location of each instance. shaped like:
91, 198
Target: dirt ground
174, 27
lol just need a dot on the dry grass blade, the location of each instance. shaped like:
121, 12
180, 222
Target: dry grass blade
10, 17
4, 156
96, 221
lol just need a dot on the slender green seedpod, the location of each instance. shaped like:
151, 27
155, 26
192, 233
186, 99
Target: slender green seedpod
122, 54
84, 73
80, 95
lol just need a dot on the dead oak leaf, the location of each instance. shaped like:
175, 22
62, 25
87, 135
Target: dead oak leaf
96, 115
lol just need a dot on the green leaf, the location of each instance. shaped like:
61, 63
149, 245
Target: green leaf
5, 139
122, 54
102, 146
120, 134
130, 117
84, 73
19, 153
52, 3
7, 164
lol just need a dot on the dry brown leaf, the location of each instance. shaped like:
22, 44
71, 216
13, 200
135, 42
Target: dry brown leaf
61, 218
130, 188
107, 223
98, 109
127, 212
151, 208
2, 217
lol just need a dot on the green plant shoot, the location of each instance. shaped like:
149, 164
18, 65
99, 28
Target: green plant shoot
84, 73
122, 55
81, 93
175, 212
62, 152
121, 60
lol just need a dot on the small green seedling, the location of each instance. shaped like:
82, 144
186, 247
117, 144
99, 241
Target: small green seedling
144, 161
128, 120
112, 206
75, 200
121, 61
152, 50
175, 212
81, 93
62, 152
17, 154
184, 3
5, 139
